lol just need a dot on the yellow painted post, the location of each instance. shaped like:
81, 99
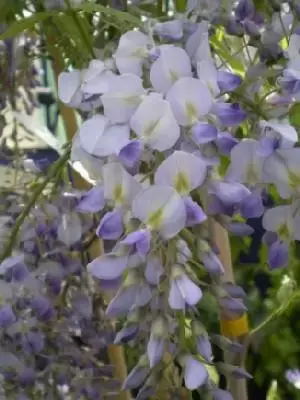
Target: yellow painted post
236, 329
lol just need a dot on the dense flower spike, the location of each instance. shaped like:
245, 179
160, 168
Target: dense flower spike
177, 132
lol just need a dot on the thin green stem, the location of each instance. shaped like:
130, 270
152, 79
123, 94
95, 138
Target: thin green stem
266, 322
82, 31
54, 171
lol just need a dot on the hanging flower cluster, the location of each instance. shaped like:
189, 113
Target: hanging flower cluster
54, 332
175, 139
161, 120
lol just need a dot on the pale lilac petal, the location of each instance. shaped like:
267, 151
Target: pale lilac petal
208, 74
155, 349
119, 185
220, 394
135, 378
246, 166
161, 209
182, 170
226, 142
276, 217
131, 153
68, 84
252, 206
199, 36
191, 292
229, 114
267, 146
204, 347
131, 52
107, 267
204, 133
143, 295
278, 255
283, 169
212, 263
195, 374
190, 99
154, 123
98, 84
111, 226
154, 270
229, 192
175, 299
69, 230
123, 97
140, 239
99, 138
126, 334
240, 229
172, 64
283, 131
227, 81
123, 302
92, 201
171, 30
194, 213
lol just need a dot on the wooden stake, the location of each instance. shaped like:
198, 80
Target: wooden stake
234, 329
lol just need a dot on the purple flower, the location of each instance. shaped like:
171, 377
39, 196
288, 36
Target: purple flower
183, 291
140, 240
195, 374
111, 226
194, 213
240, 229
278, 255
108, 267
27, 377
211, 263
225, 143
42, 308
252, 205
245, 9
131, 153
33, 342
7, 316
293, 376
92, 201
229, 114
204, 133
227, 81
155, 349
137, 375
126, 334
204, 347
220, 394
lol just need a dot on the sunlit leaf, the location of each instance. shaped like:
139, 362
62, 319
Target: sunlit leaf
27, 23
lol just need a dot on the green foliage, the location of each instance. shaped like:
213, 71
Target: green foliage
294, 115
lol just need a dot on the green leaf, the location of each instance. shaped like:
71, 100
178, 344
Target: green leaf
236, 65
273, 392
120, 15
18, 27
294, 115
180, 5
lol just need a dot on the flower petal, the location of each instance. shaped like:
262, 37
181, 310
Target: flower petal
190, 99
155, 124
107, 267
160, 208
195, 374
182, 170
172, 64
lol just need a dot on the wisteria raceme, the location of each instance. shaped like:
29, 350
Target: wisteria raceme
175, 138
